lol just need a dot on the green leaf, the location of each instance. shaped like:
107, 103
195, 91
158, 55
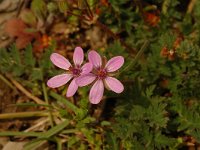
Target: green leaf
5, 60
112, 141
64, 101
15, 55
28, 17
56, 129
149, 91
45, 62
162, 141
53, 131
105, 123
36, 74
156, 113
17, 67
30, 104
28, 57
63, 6
34, 144
39, 8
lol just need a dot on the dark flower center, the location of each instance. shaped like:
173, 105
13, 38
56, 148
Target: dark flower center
101, 74
75, 71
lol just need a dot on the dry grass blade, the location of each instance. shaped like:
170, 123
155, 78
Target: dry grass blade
27, 93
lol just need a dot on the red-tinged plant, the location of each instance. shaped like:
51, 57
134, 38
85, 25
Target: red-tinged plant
42, 42
172, 54
164, 52
151, 19
46, 40
104, 3
177, 42
16, 28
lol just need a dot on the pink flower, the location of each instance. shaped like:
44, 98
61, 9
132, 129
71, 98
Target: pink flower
72, 72
102, 76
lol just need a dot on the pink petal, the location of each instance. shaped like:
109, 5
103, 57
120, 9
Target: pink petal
95, 59
114, 63
73, 87
96, 92
78, 56
60, 61
114, 84
59, 80
85, 79
86, 68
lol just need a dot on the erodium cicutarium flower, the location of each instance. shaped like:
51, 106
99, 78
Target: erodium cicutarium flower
102, 76
72, 71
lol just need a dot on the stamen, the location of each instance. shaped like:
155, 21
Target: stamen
101, 74
75, 71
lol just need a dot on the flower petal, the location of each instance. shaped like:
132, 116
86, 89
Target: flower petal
114, 63
96, 92
73, 87
59, 80
86, 68
114, 84
85, 79
60, 61
78, 56
95, 59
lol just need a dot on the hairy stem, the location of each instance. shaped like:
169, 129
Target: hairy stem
146, 43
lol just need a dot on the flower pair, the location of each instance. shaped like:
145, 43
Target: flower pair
93, 71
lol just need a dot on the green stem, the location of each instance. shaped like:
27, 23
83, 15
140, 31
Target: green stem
69, 131
146, 43
165, 6
59, 143
47, 102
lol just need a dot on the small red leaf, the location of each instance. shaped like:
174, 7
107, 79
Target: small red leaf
15, 27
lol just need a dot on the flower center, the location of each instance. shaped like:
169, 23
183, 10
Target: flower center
75, 71
101, 74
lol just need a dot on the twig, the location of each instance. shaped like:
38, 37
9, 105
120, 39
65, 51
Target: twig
40, 123
27, 93
191, 6
21, 3
90, 11
47, 102
7, 82
79, 16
